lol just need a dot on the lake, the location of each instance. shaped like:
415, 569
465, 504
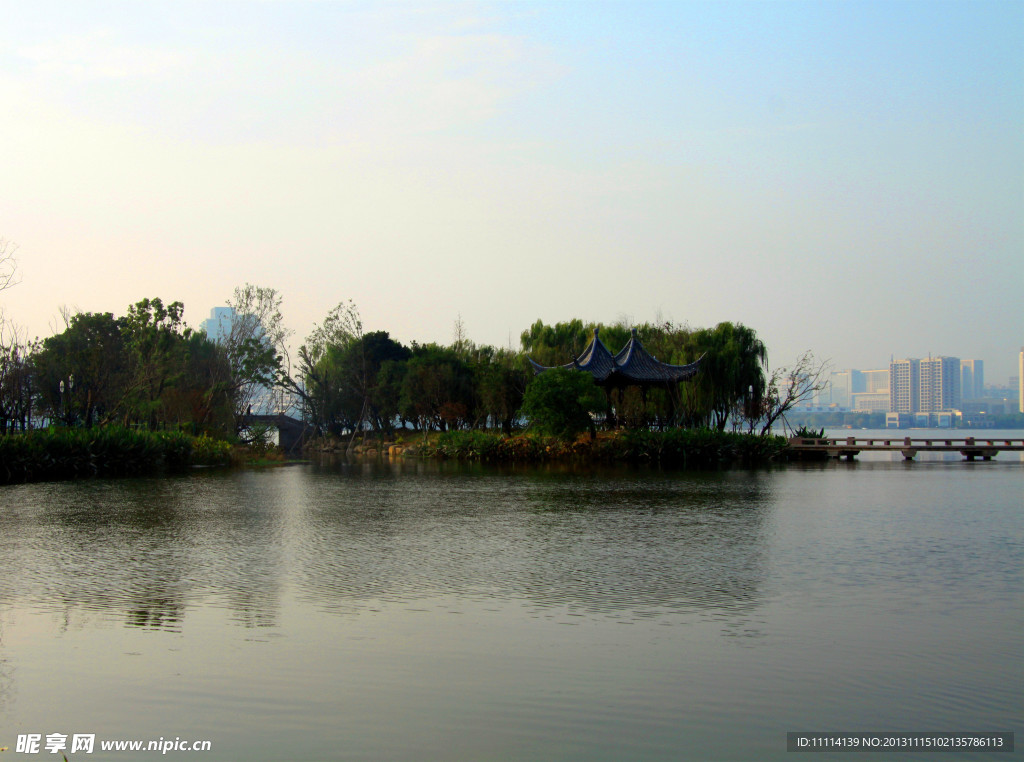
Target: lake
426, 611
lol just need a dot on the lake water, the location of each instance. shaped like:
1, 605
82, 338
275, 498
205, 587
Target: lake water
422, 611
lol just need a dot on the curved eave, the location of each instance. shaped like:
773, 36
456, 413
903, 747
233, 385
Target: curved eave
631, 366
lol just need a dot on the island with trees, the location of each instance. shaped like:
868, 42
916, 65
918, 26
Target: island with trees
143, 391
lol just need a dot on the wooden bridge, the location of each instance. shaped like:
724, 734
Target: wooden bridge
850, 447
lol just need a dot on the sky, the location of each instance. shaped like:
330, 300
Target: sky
845, 178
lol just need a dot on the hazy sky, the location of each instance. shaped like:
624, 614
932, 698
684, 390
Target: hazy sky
843, 177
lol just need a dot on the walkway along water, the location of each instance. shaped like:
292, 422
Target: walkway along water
850, 447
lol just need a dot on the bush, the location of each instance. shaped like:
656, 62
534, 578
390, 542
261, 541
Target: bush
69, 453
558, 403
485, 446
806, 433
207, 451
673, 447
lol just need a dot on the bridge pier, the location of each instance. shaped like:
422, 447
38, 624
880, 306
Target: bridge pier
843, 452
979, 452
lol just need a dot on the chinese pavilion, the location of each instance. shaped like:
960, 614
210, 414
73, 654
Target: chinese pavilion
631, 366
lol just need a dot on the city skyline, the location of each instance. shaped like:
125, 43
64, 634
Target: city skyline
842, 177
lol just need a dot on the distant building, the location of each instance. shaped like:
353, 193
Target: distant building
876, 380
842, 384
222, 321
940, 385
972, 379
899, 420
870, 402
904, 385
1020, 378
218, 327
924, 386
944, 420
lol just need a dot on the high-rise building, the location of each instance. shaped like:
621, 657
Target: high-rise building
218, 327
924, 386
842, 384
876, 381
972, 379
904, 385
1020, 378
940, 385
224, 326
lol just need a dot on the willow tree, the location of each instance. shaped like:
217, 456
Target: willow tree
732, 376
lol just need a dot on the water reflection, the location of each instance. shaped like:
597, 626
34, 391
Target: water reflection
347, 535
602, 543
518, 613
146, 548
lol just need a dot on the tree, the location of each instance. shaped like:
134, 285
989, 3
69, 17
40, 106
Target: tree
205, 397
256, 344
8, 264
437, 389
15, 379
786, 389
559, 402
500, 382
732, 374
320, 375
155, 336
91, 357
555, 344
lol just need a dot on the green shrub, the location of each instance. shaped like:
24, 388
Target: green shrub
207, 451
71, 453
559, 401
673, 447
807, 433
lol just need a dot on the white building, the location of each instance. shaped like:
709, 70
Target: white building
218, 327
940, 385
904, 385
924, 386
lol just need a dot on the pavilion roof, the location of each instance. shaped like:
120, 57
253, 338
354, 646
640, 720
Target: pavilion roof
631, 366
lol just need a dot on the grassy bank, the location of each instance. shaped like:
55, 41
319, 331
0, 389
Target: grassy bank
674, 447
60, 453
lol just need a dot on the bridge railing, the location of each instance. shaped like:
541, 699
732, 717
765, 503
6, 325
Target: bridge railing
921, 442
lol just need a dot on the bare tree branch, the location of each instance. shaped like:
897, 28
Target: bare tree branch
9, 275
787, 388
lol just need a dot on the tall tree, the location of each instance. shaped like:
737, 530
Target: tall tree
437, 389
256, 343
15, 378
320, 375
500, 381
92, 358
155, 335
732, 373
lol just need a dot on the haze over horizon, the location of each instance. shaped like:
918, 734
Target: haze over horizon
842, 177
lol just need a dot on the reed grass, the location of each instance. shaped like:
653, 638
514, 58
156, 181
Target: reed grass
672, 447
72, 453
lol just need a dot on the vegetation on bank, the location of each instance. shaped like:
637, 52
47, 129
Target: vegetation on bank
74, 453
113, 395
671, 447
